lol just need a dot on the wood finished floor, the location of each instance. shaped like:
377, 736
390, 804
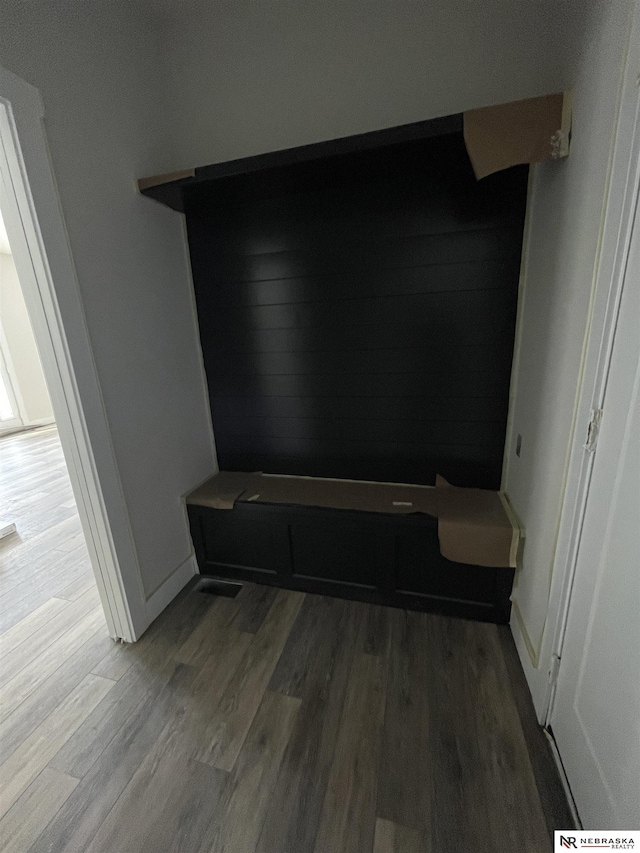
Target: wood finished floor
270, 723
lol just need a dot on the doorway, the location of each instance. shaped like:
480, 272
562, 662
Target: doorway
36, 231
44, 561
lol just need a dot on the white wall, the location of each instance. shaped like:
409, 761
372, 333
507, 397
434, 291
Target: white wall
98, 68
249, 77
22, 347
566, 211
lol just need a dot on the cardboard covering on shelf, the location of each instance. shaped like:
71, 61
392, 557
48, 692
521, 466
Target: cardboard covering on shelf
533, 130
157, 180
475, 526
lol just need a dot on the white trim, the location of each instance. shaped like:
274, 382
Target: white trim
518, 531
563, 780
34, 221
622, 197
39, 422
168, 590
14, 425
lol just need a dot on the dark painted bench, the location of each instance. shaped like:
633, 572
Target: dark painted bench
382, 558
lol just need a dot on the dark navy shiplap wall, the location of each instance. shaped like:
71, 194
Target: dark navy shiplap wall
357, 314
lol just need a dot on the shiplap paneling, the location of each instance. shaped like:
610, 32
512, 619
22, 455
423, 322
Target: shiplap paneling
357, 313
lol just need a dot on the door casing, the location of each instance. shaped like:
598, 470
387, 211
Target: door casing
36, 229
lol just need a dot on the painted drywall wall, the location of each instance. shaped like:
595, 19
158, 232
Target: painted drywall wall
566, 211
98, 67
249, 77
22, 347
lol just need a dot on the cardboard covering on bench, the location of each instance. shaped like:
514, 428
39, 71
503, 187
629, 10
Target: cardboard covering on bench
344, 494
475, 526
222, 490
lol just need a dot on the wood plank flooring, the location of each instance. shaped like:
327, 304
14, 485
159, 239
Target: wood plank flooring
46, 562
274, 722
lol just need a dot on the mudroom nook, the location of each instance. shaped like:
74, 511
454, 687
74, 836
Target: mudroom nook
357, 302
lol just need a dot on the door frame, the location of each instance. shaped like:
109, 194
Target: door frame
36, 229
622, 197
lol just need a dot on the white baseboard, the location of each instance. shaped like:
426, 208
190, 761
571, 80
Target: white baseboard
537, 677
165, 594
27, 427
563, 779
11, 430
39, 422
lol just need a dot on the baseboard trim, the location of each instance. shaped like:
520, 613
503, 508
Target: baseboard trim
39, 422
522, 627
563, 779
30, 427
168, 590
537, 676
